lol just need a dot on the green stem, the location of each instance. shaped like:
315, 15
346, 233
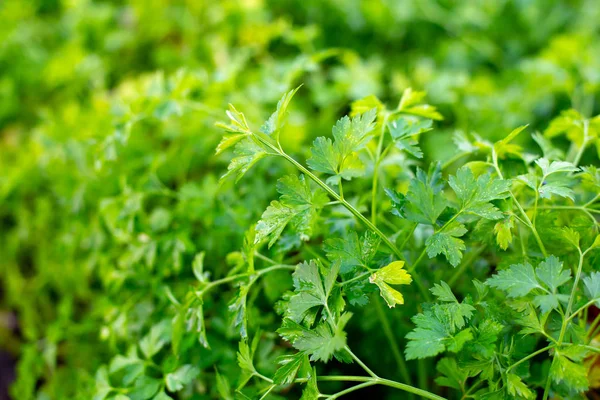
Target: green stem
547, 387
586, 124
232, 278
592, 201
352, 389
566, 318
359, 362
593, 327
378, 381
535, 353
376, 163
408, 236
521, 210
387, 330
580, 309
422, 371
454, 158
268, 391
356, 278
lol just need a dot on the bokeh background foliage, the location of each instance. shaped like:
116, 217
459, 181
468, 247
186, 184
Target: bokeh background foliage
109, 183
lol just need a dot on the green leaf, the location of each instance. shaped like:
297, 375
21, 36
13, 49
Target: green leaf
299, 207
160, 396
452, 375
340, 158
273, 125
351, 251
592, 287
183, 376
551, 184
517, 281
447, 242
504, 147
520, 279
411, 103
403, 131
311, 391
154, 341
503, 231
312, 289
434, 333
237, 307
551, 273
321, 343
244, 357
237, 121
145, 388
443, 292
458, 313
198, 268
247, 154
574, 375
289, 367
570, 122
423, 203
485, 338
475, 195
516, 387
223, 386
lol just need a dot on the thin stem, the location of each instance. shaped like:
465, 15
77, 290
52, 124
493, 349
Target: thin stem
454, 158
535, 206
378, 381
376, 171
261, 376
535, 353
593, 327
359, 362
521, 210
417, 261
387, 330
352, 389
580, 309
232, 278
409, 235
586, 124
267, 392
579, 208
589, 203
566, 319
356, 278
410, 389
265, 258
547, 387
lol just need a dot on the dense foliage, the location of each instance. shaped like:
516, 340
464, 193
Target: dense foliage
178, 222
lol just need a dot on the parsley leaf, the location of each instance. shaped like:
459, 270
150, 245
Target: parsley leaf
447, 242
298, 206
474, 195
423, 203
339, 157
352, 251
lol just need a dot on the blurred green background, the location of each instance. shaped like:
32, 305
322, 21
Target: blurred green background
108, 179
